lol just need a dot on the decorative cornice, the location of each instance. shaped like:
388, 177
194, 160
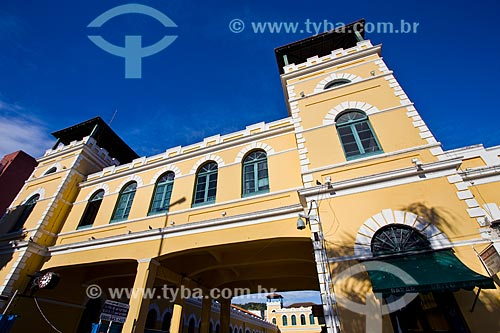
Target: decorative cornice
381, 177
172, 230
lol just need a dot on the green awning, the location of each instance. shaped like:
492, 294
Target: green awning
425, 272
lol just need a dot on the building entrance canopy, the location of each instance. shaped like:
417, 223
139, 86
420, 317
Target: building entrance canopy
432, 271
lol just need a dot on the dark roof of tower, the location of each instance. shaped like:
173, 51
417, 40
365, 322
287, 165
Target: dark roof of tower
106, 138
319, 45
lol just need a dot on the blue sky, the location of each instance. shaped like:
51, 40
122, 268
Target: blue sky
213, 81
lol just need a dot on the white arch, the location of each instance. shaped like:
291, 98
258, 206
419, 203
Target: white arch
215, 158
351, 77
192, 316
255, 145
135, 178
40, 191
167, 310
160, 172
103, 186
156, 308
362, 246
332, 114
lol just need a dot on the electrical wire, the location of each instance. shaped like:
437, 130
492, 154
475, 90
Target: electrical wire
45, 318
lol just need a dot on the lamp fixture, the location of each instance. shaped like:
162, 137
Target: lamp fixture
418, 163
301, 224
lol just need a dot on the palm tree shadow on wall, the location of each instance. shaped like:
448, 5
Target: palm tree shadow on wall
440, 217
355, 287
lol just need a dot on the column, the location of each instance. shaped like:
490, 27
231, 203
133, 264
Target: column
206, 311
138, 310
177, 313
225, 314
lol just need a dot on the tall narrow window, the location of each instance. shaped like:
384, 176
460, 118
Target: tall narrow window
255, 176
151, 319
91, 210
274, 321
165, 325
27, 208
206, 184
124, 203
284, 320
311, 319
302, 319
294, 320
356, 134
163, 192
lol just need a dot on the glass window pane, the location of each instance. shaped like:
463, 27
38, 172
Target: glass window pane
255, 175
206, 183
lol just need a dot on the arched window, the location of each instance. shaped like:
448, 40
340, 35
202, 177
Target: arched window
336, 83
303, 319
398, 238
27, 208
163, 192
274, 321
311, 319
284, 320
165, 325
217, 328
51, 170
191, 325
206, 184
356, 134
124, 202
91, 210
294, 320
255, 176
151, 319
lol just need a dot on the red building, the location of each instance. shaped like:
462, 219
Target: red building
15, 168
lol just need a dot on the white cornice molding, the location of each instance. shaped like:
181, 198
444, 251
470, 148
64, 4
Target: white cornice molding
373, 157
427, 169
172, 231
481, 172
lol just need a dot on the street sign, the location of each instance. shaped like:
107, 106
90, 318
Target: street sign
114, 311
491, 258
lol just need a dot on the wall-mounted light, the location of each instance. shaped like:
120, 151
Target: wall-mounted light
418, 163
302, 94
301, 224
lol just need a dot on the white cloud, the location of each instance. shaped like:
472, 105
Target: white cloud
21, 132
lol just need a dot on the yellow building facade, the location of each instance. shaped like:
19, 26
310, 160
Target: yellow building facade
354, 160
297, 317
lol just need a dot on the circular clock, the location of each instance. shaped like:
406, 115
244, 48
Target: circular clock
48, 280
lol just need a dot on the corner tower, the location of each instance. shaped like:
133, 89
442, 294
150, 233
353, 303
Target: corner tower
41, 207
